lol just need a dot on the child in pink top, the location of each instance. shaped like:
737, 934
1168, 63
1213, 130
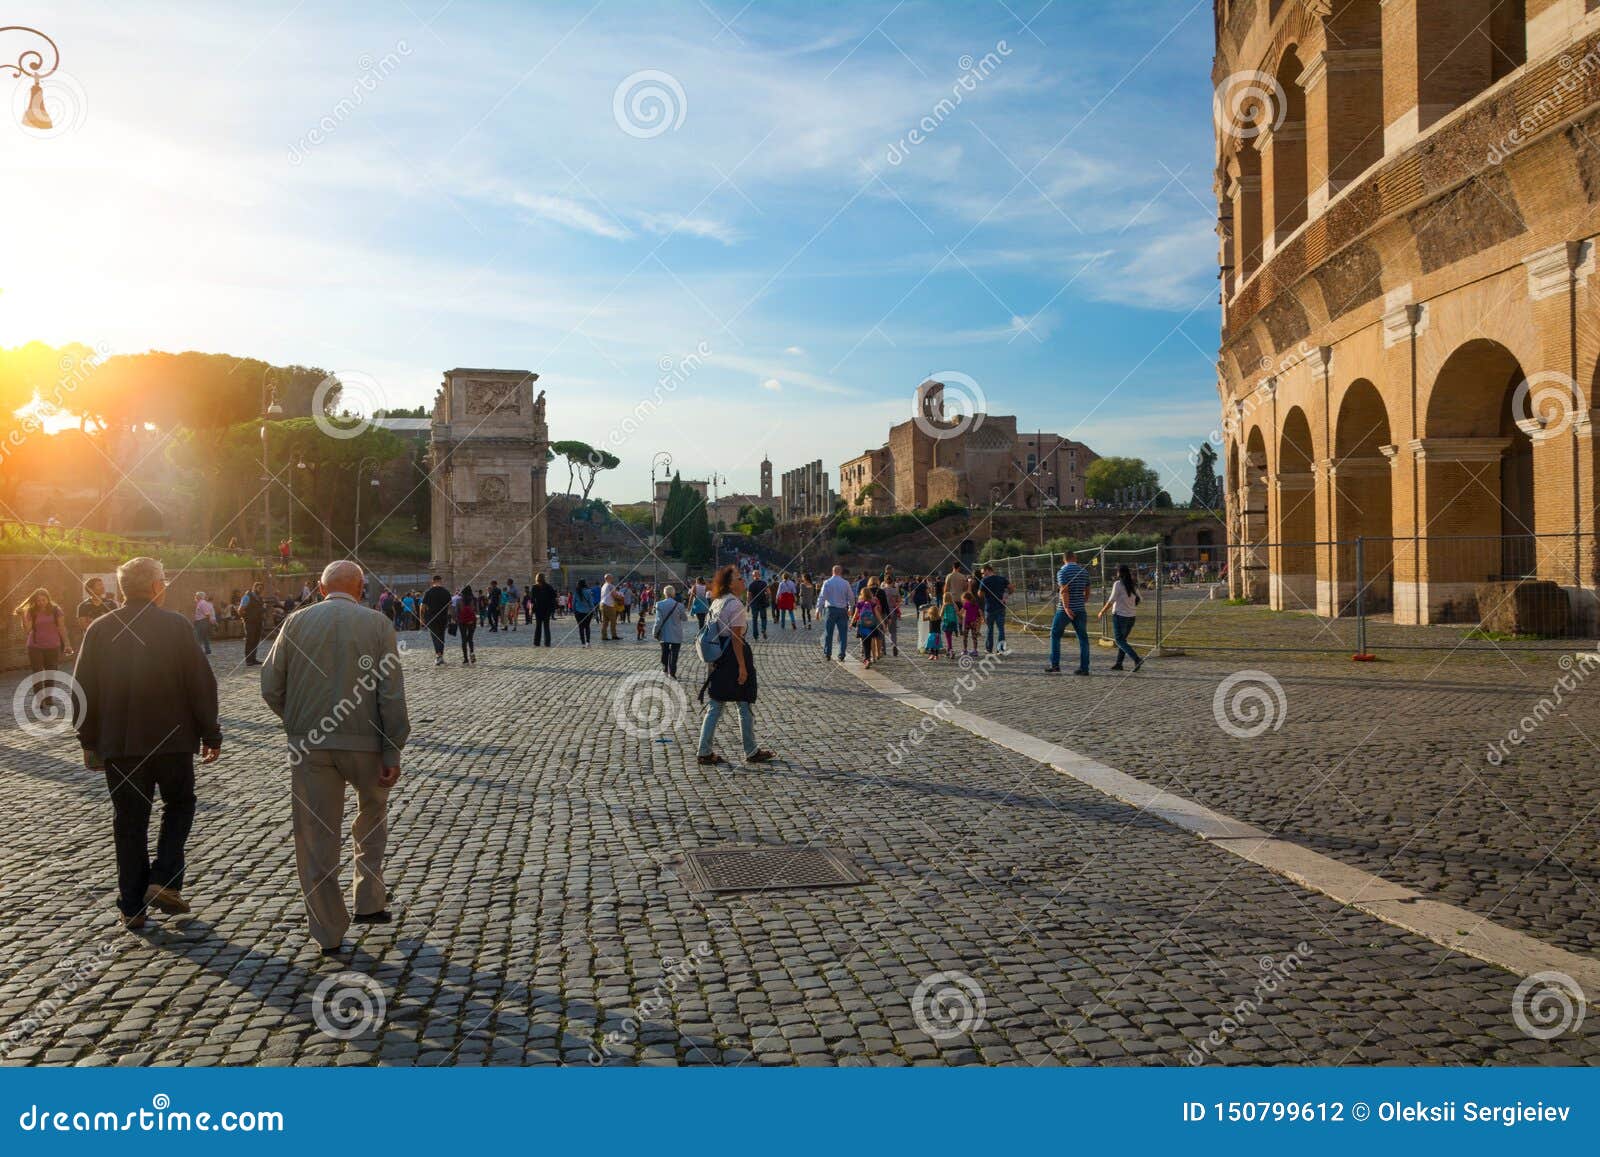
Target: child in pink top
971, 620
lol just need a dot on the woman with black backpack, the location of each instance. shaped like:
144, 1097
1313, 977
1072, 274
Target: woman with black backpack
732, 677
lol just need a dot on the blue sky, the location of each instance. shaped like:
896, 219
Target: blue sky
403, 187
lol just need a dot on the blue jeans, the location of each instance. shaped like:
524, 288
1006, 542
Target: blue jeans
1121, 628
202, 634
997, 622
1080, 627
758, 621
747, 726
790, 613
834, 619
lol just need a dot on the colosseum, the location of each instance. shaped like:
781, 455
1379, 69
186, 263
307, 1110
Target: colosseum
1408, 196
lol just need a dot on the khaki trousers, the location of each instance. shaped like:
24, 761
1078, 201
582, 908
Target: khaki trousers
608, 623
319, 780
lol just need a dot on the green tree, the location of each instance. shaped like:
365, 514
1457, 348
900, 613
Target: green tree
697, 543
1107, 476
1207, 493
755, 519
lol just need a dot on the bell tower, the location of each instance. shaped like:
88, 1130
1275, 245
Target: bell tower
766, 477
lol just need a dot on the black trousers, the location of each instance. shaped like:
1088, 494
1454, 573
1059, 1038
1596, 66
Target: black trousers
669, 658
252, 640
436, 632
133, 784
541, 630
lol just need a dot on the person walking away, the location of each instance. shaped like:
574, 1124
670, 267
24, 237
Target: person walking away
732, 678
760, 600
806, 597
493, 616
971, 623
834, 603
583, 602
699, 604
253, 610
1123, 606
466, 605
1072, 586
864, 618
334, 677
671, 615
435, 611
995, 588
889, 595
608, 609
513, 604
44, 630
94, 603
949, 621
148, 703
932, 627
787, 592
544, 608
205, 620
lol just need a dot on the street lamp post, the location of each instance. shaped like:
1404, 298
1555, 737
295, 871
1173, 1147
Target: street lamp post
664, 460
716, 534
356, 549
269, 409
31, 63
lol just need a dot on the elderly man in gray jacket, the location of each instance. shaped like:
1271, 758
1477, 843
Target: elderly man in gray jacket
334, 678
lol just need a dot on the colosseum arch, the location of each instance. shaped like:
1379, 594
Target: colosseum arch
1363, 501
1283, 155
1475, 478
1345, 87
1250, 579
1294, 517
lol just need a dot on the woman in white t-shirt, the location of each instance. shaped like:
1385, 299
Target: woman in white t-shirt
733, 677
1123, 605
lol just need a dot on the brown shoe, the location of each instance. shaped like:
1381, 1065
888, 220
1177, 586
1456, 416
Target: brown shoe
167, 899
132, 923
713, 758
761, 756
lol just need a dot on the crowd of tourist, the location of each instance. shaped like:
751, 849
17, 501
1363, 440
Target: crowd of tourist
148, 700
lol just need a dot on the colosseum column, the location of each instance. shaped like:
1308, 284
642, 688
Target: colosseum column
1550, 415
1437, 55
1255, 579
1550, 24
1283, 182
1458, 489
1402, 321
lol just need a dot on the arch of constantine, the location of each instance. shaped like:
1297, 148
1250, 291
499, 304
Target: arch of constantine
1409, 193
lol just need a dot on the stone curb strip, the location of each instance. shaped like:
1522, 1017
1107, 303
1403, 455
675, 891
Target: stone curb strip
1444, 924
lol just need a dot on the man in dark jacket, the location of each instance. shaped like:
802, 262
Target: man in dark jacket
146, 701
253, 610
436, 616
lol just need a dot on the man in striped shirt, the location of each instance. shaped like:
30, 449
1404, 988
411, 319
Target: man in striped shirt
1073, 581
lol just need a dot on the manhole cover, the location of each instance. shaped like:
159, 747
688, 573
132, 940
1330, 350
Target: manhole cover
769, 868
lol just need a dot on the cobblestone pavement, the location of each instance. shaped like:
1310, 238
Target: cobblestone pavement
542, 918
1385, 766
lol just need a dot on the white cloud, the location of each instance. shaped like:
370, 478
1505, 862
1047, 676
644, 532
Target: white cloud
772, 384
572, 214
795, 351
